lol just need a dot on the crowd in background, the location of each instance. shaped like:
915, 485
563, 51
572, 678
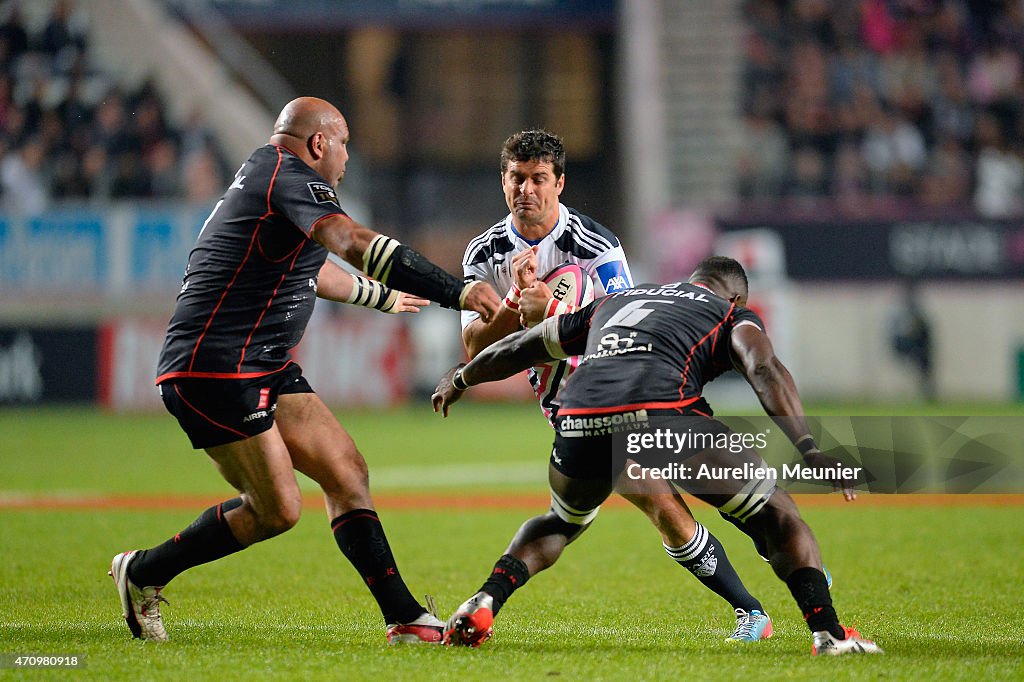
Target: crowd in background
865, 101
69, 131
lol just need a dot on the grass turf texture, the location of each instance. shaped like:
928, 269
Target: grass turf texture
938, 588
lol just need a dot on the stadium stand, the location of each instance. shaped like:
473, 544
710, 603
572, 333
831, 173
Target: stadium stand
882, 101
70, 130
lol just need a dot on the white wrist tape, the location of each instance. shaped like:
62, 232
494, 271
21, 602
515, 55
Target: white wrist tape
372, 294
378, 255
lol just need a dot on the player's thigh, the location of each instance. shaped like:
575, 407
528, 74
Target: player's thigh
320, 447
652, 495
738, 483
665, 508
580, 473
260, 467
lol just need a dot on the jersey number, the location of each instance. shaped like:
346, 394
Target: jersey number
632, 313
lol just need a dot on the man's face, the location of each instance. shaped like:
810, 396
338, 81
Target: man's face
531, 192
335, 152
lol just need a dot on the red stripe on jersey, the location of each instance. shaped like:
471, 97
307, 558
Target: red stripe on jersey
693, 349
200, 413
626, 408
241, 265
270, 301
318, 221
218, 375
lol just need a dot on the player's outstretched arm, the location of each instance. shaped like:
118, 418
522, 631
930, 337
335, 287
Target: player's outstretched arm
478, 334
336, 284
756, 361
401, 267
500, 360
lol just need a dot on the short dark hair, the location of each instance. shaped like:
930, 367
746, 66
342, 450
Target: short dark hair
722, 268
535, 144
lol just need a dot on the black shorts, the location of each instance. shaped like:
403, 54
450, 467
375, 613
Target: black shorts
218, 411
727, 479
577, 454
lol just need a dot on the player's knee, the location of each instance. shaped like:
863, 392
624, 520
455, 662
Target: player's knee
280, 517
779, 518
573, 513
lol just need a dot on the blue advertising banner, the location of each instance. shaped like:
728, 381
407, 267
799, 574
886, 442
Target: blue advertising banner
123, 249
54, 251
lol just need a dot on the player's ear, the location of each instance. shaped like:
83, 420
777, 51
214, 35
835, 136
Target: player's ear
315, 144
560, 184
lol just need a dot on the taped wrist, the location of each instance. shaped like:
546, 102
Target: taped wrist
372, 294
512, 298
458, 381
806, 445
403, 268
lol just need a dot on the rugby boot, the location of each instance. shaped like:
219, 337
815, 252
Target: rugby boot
472, 624
751, 627
825, 644
139, 605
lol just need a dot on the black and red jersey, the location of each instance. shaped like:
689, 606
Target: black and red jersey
250, 283
653, 346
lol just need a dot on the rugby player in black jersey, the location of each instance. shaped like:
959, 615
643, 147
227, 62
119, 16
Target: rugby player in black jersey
648, 352
538, 235
226, 373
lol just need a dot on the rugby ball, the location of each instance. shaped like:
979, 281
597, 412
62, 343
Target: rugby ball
570, 283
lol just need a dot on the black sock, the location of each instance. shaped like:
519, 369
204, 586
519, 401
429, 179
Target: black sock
361, 539
705, 557
810, 590
208, 538
508, 574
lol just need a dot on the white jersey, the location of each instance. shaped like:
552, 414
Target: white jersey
574, 239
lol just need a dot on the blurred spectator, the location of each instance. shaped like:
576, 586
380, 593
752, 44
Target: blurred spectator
999, 172
894, 151
58, 139
764, 159
13, 37
809, 179
909, 100
947, 180
22, 179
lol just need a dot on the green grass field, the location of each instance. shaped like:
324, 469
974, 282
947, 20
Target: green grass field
939, 588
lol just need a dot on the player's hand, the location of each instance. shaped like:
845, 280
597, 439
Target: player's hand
533, 303
819, 460
480, 297
524, 267
407, 303
445, 394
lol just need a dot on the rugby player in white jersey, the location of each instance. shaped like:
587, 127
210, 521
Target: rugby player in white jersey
538, 235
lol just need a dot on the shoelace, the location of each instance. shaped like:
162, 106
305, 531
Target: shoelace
744, 625
151, 604
431, 607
